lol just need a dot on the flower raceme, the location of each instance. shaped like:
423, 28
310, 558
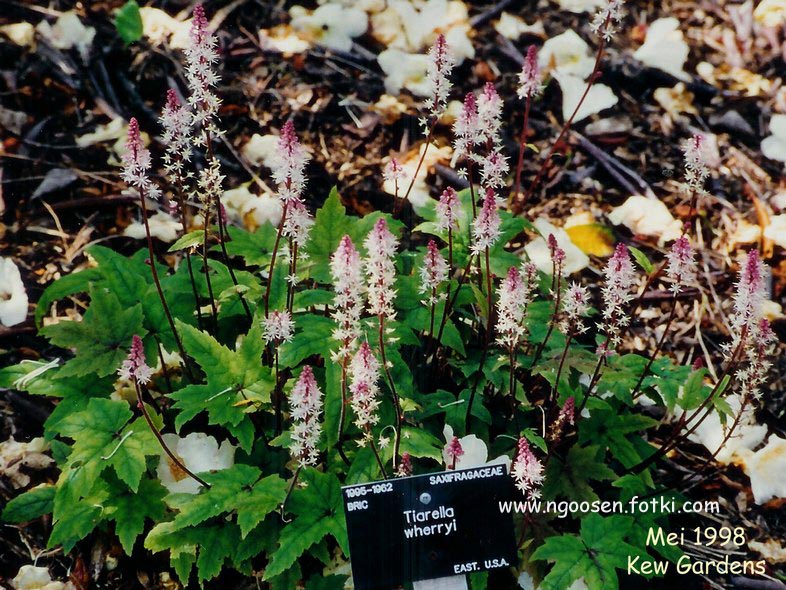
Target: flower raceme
681, 264
511, 309
527, 470
486, 227
607, 19
306, 406
380, 269
448, 209
278, 327
616, 293
433, 273
530, 78
696, 157
454, 451
134, 368
440, 65
201, 56
176, 122
136, 163
289, 164
347, 273
575, 305
364, 386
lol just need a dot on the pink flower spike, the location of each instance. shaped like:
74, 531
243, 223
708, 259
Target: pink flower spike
453, 451
620, 277
575, 305
489, 114
527, 470
748, 301
511, 309
440, 65
347, 273
404, 468
381, 247
201, 56
448, 209
530, 77
176, 122
681, 266
433, 273
289, 164
486, 227
466, 127
364, 377
278, 327
134, 368
697, 157
136, 163
306, 405
565, 417
394, 172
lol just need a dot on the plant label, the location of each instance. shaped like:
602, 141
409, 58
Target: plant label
429, 526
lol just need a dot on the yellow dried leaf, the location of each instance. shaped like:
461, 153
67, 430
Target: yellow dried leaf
592, 239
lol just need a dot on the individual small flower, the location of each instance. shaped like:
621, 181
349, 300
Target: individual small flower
433, 273
134, 368
751, 374
448, 209
347, 273
565, 417
364, 379
696, 161
511, 309
136, 163
306, 404
404, 468
298, 223
380, 269
454, 451
575, 305
620, 277
530, 78
278, 327
289, 164
681, 265
486, 227
466, 129
176, 122
440, 64
527, 470
209, 184
201, 57
607, 19
489, 114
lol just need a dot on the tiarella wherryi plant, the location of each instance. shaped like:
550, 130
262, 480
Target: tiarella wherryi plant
306, 348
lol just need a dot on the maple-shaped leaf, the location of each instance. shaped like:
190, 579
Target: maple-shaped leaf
594, 554
102, 338
569, 478
130, 509
240, 489
103, 437
319, 511
237, 382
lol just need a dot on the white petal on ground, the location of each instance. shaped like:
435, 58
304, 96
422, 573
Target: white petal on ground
13, 295
771, 550
776, 230
15, 457
567, 53
283, 40
252, 210
31, 577
538, 249
261, 149
404, 71
578, 6
162, 226
774, 146
331, 25
647, 217
67, 32
369, 6
512, 27
22, 34
459, 42
159, 28
419, 195
746, 436
766, 467
199, 453
770, 13
599, 98
665, 48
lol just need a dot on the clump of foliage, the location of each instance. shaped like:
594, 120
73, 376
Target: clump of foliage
334, 350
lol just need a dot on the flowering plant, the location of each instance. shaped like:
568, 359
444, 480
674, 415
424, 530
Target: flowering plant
331, 349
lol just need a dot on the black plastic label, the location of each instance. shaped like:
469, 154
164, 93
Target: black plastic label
429, 526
